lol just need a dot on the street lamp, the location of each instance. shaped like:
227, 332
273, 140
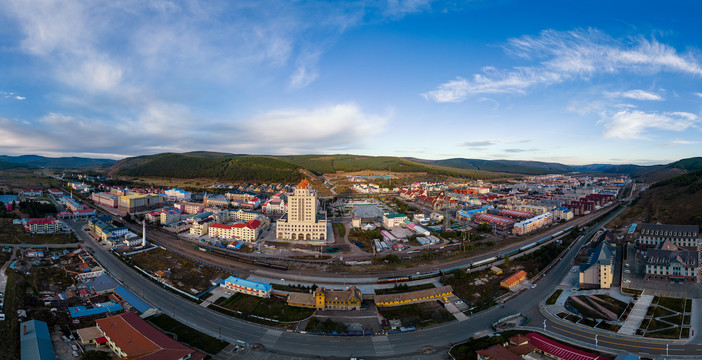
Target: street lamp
544, 324
595, 340
666, 350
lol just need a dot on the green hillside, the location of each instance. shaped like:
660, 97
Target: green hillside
61, 162
321, 164
503, 166
6, 165
688, 164
231, 168
676, 200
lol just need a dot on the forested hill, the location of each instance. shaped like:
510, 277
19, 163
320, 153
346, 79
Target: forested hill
234, 167
225, 168
677, 200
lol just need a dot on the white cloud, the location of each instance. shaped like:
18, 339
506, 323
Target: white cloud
17, 97
398, 8
478, 144
309, 130
698, 94
563, 56
636, 95
632, 124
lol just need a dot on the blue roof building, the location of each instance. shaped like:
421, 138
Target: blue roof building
102, 284
133, 300
247, 287
36, 341
82, 311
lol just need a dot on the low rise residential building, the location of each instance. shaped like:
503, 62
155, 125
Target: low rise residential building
535, 223
243, 231
105, 199
247, 287
177, 194
394, 220
189, 207
328, 299
85, 213
74, 205
412, 297
498, 222
514, 279
201, 227
55, 193
129, 336
44, 225
216, 200
562, 213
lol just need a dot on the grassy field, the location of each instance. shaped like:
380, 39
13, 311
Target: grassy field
365, 238
339, 229
188, 335
421, 315
22, 179
15, 234
401, 288
478, 289
552, 299
672, 310
185, 273
9, 329
273, 308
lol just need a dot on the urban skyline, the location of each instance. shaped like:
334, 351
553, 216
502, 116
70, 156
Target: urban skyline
546, 81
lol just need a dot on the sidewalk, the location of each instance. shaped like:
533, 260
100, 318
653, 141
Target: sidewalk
636, 316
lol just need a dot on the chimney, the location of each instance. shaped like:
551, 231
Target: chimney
143, 233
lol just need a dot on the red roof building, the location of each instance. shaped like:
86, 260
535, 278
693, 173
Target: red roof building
130, 336
561, 351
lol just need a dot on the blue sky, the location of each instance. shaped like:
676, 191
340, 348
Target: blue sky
576, 83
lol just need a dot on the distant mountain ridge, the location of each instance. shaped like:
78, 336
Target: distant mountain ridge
227, 166
60, 162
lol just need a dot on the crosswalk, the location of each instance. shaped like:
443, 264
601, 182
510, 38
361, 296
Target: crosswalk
382, 346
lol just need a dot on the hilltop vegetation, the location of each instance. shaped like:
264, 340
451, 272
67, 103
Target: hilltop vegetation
503, 166
324, 164
62, 162
229, 168
677, 200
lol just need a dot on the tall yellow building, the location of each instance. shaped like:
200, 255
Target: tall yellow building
302, 222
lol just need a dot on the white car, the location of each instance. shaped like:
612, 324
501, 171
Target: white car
459, 302
533, 286
627, 281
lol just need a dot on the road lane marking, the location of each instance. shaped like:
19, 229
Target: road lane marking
617, 343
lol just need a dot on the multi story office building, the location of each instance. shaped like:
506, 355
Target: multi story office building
683, 236
139, 202
668, 262
302, 221
598, 272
